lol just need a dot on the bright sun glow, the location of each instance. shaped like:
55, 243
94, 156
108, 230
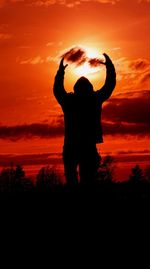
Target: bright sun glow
91, 52
86, 69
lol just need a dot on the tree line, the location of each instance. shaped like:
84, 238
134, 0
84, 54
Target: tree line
14, 179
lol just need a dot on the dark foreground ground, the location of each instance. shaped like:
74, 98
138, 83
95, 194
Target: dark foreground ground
74, 221
65, 199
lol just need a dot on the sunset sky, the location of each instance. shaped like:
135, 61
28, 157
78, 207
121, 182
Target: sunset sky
33, 35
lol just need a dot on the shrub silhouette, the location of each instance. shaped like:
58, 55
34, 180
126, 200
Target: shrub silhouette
107, 169
137, 174
13, 179
47, 178
147, 173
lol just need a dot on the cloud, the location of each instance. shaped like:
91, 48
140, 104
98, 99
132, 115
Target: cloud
128, 115
138, 71
134, 73
41, 130
123, 152
68, 3
124, 129
49, 44
145, 1
4, 2
36, 60
145, 77
28, 131
4, 36
135, 110
107, 1
30, 159
33, 61
132, 67
139, 64
78, 56
75, 55
44, 3
16, 1
121, 116
94, 62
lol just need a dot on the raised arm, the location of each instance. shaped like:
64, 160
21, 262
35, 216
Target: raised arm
105, 92
58, 89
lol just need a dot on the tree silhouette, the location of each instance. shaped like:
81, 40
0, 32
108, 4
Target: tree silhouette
47, 178
147, 173
13, 179
19, 172
107, 169
137, 174
7, 178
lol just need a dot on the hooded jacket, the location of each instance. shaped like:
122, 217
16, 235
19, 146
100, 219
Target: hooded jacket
82, 109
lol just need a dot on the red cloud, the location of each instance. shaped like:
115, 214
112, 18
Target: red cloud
78, 56
121, 116
75, 55
145, 77
140, 64
94, 62
30, 131
130, 110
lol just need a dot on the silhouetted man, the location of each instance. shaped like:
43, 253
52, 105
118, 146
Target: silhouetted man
82, 118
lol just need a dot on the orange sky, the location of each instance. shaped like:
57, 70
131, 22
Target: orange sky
33, 33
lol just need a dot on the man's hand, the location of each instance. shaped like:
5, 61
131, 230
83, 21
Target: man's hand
62, 67
108, 60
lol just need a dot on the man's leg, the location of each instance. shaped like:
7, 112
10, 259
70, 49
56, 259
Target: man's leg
89, 164
70, 166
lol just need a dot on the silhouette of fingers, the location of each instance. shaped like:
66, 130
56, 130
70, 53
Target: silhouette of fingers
62, 66
65, 66
106, 57
62, 62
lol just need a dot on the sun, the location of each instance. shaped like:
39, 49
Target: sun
91, 52
86, 69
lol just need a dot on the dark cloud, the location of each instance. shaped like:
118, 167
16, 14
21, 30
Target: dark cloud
94, 62
121, 116
129, 110
132, 157
145, 151
75, 55
17, 132
128, 116
123, 129
78, 56
139, 64
145, 77
30, 159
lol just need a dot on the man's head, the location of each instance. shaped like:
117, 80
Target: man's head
83, 86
